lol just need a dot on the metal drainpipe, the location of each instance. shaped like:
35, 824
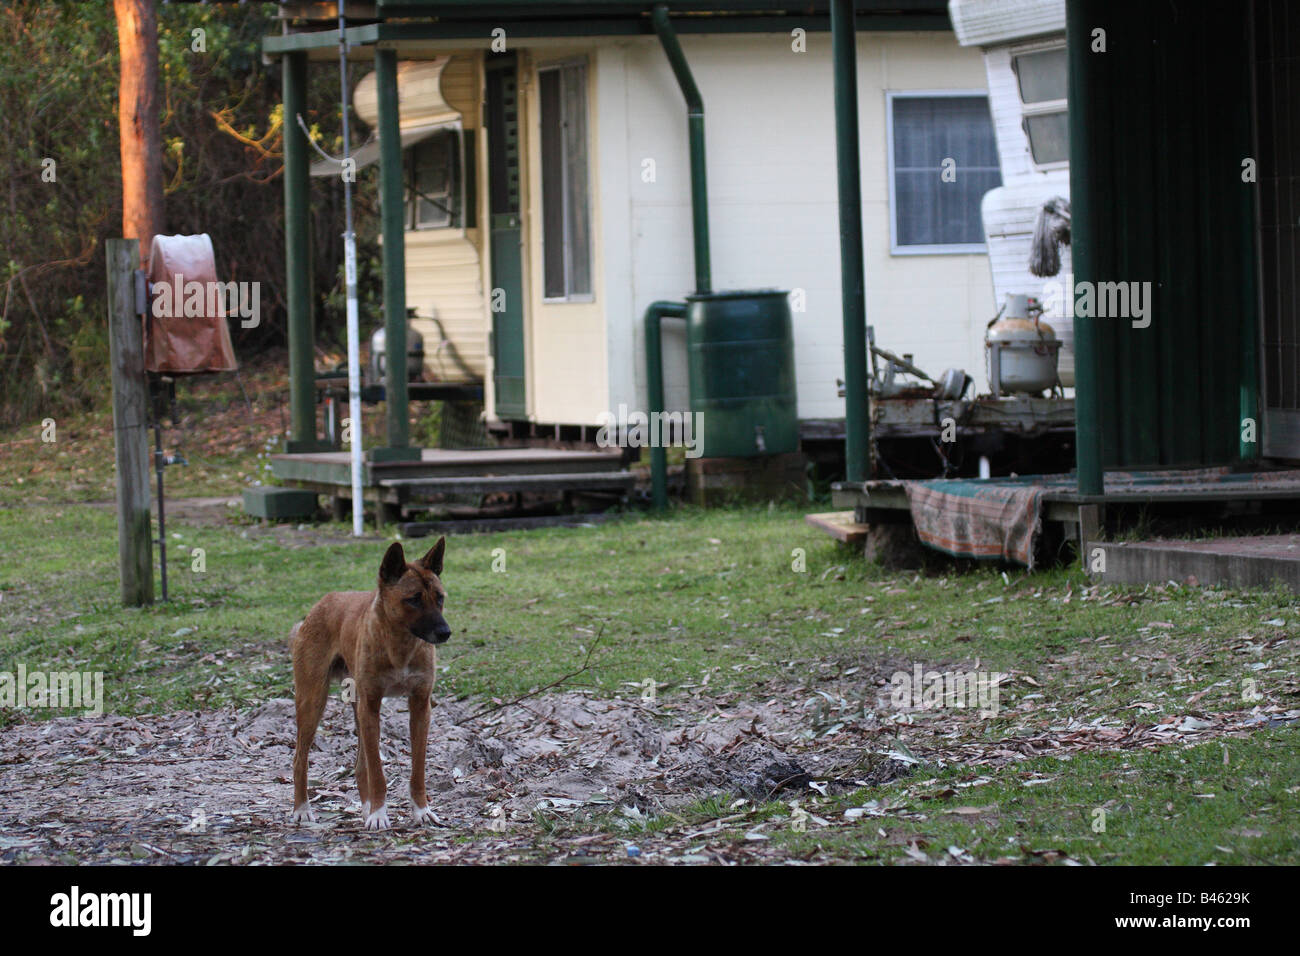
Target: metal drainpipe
695, 125
654, 384
700, 231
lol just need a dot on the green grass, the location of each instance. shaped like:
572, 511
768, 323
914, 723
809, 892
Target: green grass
1230, 801
672, 600
708, 602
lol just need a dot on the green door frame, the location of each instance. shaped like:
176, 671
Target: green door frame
507, 295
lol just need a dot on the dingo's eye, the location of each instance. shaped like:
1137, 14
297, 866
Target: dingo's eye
413, 600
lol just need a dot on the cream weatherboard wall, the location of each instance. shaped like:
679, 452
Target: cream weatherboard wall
772, 202
445, 267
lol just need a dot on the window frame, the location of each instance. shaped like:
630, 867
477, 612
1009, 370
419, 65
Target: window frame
558, 66
939, 249
456, 192
1042, 107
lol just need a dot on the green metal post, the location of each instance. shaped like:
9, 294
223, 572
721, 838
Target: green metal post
853, 301
695, 129
1251, 265
654, 386
392, 214
1087, 382
297, 251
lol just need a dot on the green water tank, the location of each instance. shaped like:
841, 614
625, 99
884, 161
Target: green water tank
741, 357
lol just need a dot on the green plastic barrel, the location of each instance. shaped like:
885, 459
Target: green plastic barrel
741, 358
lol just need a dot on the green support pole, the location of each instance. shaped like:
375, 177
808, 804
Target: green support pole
1087, 408
297, 252
1252, 306
391, 196
695, 131
853, 301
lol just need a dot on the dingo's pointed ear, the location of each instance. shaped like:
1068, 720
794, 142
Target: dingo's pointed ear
393, 566
433, 560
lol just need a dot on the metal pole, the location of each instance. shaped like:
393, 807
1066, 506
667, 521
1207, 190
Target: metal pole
1087, 411
350, 275
853, 303
159, 462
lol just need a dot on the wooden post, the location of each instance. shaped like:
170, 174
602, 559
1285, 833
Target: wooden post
1089, 533
130, 424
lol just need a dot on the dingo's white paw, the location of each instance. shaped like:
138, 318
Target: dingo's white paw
378, 820
303, 814
423, 815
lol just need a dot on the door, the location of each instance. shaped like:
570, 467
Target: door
507, 297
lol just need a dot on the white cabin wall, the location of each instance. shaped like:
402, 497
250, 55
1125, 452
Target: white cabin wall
770, 130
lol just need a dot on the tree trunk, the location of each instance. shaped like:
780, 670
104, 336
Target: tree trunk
138, 123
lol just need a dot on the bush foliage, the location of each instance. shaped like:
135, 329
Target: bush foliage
221, 124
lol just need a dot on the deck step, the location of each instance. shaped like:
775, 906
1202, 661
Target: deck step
839, 525
486, 484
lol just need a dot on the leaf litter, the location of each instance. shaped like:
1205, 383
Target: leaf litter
536, 781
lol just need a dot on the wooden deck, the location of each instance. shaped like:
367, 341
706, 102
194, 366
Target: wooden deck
394, 485
334, 467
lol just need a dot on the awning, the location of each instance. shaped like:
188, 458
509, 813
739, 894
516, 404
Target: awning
369, 152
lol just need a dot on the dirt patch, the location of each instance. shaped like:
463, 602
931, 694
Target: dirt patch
216, 787
181, 787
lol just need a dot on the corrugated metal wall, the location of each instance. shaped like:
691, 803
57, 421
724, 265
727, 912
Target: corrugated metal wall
1158, 197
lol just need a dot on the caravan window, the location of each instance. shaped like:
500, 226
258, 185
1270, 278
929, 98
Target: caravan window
942, 160
1041, 77
433, 182
566, 238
